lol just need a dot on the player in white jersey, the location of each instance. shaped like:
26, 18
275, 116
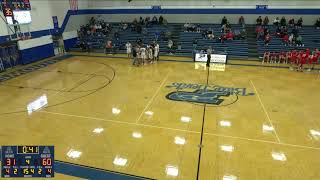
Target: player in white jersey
143, 54
156, 52
150, 53
129, 49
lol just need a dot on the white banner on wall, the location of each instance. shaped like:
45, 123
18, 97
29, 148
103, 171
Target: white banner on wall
215, 58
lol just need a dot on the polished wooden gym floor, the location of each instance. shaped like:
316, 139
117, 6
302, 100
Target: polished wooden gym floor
105, 113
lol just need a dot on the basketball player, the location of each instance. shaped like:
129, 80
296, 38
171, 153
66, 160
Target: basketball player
266, 57
150, 53
282, 57
156, 52
273, 57
303, 60
209, 52
129, 49
143, 54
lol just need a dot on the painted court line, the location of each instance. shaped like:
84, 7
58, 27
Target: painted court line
182, 130
265, 111
152, 98
263, 141
119, 122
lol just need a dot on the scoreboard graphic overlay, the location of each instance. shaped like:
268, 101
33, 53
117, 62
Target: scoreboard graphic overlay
8, 6
27, 161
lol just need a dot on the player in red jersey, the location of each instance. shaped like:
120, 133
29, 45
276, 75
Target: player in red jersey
288, 56
293, 59
303, 59
273, 57
282, 57
313, 60
266, 57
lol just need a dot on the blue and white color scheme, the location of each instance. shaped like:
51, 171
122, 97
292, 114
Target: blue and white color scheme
32, 50
204, 94
70, 39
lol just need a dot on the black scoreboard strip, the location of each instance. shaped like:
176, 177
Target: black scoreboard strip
8, 6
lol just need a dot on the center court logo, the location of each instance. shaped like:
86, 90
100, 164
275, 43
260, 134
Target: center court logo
206, 94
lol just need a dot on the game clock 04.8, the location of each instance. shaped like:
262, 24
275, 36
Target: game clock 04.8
27, 161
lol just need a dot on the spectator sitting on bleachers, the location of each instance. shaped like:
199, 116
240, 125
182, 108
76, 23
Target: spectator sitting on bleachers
259, 21
161, 20
241, 21
243, 34
266, 21
291, 38
167, 35
170, 46
295, 31
165, 22
267, 39
224, 21
237, 34
124, 26
276, 21
291, 22
147, 21
92, 21
139, 29
299, 41
260, 32
141, 21
194, 43
283, 21
285, 39
210, 34
317, 24
229, 35
198, 28
154, 20
299, 23
223, 37
116, 35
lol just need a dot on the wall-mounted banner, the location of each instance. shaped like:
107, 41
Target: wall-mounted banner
262, 7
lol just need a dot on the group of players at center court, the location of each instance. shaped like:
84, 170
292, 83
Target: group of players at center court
297, 59
142, 54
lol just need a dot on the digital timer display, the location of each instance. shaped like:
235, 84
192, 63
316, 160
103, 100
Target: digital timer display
27, 161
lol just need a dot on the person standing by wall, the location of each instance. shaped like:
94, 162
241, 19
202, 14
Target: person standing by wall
129, 49
209, 52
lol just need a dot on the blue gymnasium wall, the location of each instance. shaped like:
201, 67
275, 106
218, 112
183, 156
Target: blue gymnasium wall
41, 52
70, 43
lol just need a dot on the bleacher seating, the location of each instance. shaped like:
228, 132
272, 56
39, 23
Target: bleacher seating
236, 48
310, 39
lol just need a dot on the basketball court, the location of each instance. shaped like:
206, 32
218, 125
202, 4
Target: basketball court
103, 113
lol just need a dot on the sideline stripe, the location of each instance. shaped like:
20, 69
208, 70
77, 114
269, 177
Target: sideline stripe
88, 172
